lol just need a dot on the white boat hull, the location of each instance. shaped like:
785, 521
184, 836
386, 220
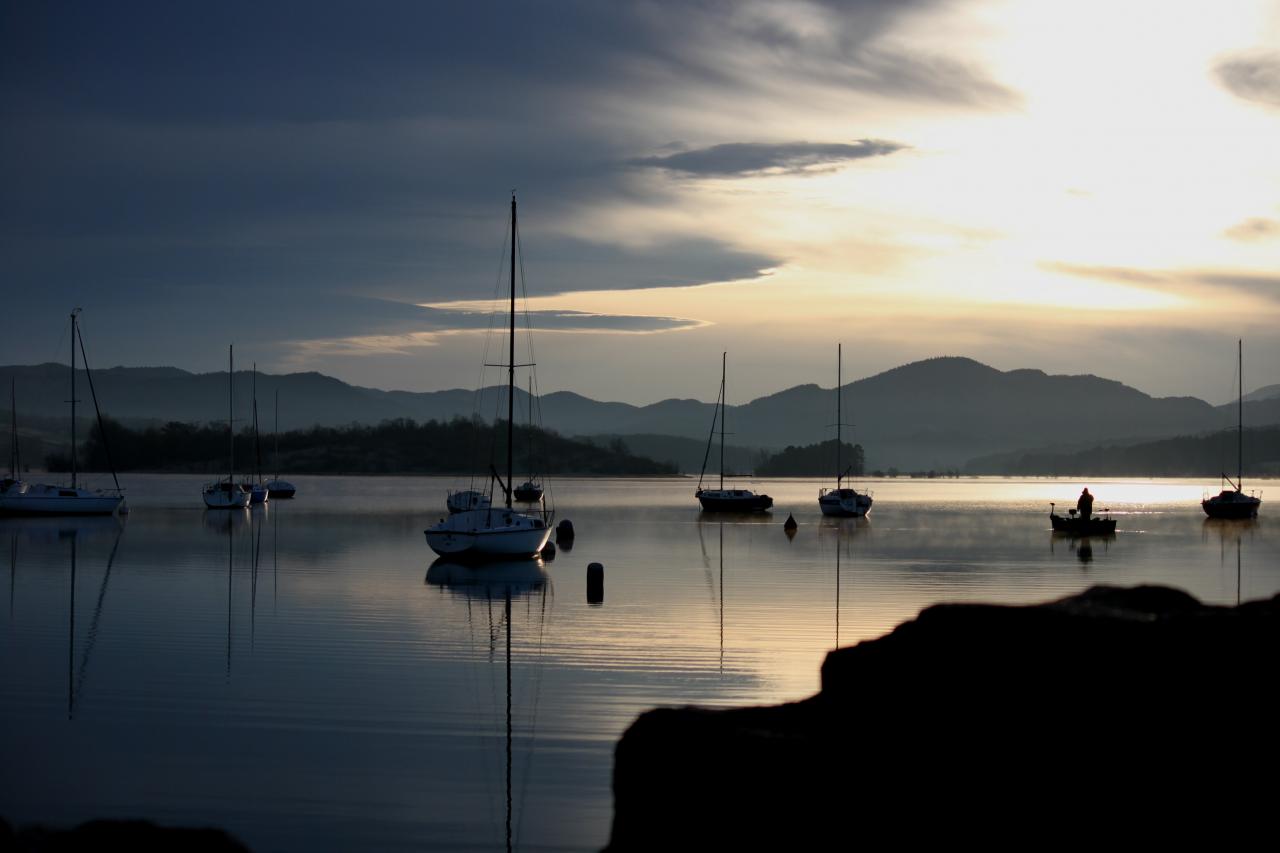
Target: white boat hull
844, 503
41, 499
489, 533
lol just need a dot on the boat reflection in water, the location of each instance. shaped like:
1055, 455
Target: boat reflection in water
1231, 531
75, 532
493, 582
844, 528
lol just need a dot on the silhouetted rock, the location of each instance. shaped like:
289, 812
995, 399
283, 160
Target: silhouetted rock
1131, 716
135, 836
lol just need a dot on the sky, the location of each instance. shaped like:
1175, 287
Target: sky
1079, 187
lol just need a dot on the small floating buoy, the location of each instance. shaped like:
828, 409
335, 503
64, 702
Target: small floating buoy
549, 551
564, 534
595, 583
790, 523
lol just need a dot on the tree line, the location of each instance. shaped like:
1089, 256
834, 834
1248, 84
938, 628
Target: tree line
814, 460
402, 445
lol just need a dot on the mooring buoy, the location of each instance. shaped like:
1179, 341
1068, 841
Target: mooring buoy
595, 583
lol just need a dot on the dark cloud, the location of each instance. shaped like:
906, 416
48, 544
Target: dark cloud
263, 168
1254, 76
747, 158
1255, 228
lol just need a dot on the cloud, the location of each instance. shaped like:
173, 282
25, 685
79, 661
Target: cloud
434, 323
750, 158
1128, 275
1191, 282
1253, 76
1255, 228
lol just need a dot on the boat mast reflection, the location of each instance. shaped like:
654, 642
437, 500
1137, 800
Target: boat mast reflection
490, 582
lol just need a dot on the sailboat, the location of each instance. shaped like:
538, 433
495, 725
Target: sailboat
228, 494
722, 499
1235, 503
841, 501
258, 491
278, 488
489, 532
21, 498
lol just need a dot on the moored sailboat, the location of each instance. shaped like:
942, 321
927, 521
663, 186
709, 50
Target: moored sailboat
228, 494
1234, 503
18, 497
722, 499
481, 530
276, 487
842, 501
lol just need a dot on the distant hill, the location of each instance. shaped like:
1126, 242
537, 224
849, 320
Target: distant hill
936, 413
1270, 392
1184, 456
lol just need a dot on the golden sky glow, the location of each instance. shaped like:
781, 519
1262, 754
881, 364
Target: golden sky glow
1094, 202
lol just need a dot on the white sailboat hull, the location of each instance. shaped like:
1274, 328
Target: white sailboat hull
41, 499
489, 533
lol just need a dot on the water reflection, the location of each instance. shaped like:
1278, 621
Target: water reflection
379, 694
505, 582
1082, 546
1230, 531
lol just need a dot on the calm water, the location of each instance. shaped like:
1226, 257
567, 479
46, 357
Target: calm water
302, 676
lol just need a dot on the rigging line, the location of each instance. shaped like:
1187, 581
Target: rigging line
57, 349
102, 430
707, 455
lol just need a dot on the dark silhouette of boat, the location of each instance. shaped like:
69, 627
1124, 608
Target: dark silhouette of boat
722, 499
1077, 525
1234, 503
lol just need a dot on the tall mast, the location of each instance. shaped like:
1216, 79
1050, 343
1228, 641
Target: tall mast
839, 395
73, 398
231, 432
257, 444
13, 410
1240, 416
275, 434
724, 357
511, 357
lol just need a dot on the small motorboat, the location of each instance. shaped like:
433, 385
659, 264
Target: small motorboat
1077, 525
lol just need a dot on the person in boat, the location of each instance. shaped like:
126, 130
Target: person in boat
1084, 506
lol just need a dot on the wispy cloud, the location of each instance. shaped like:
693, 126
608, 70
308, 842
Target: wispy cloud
1252, 75
1255, 228
435, 324
752, 158
1190, 282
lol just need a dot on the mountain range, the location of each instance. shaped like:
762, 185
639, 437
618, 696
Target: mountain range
936, 413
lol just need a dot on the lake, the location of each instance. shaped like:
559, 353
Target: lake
303, 676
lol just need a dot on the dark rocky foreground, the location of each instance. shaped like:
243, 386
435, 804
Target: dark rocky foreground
1133, 716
